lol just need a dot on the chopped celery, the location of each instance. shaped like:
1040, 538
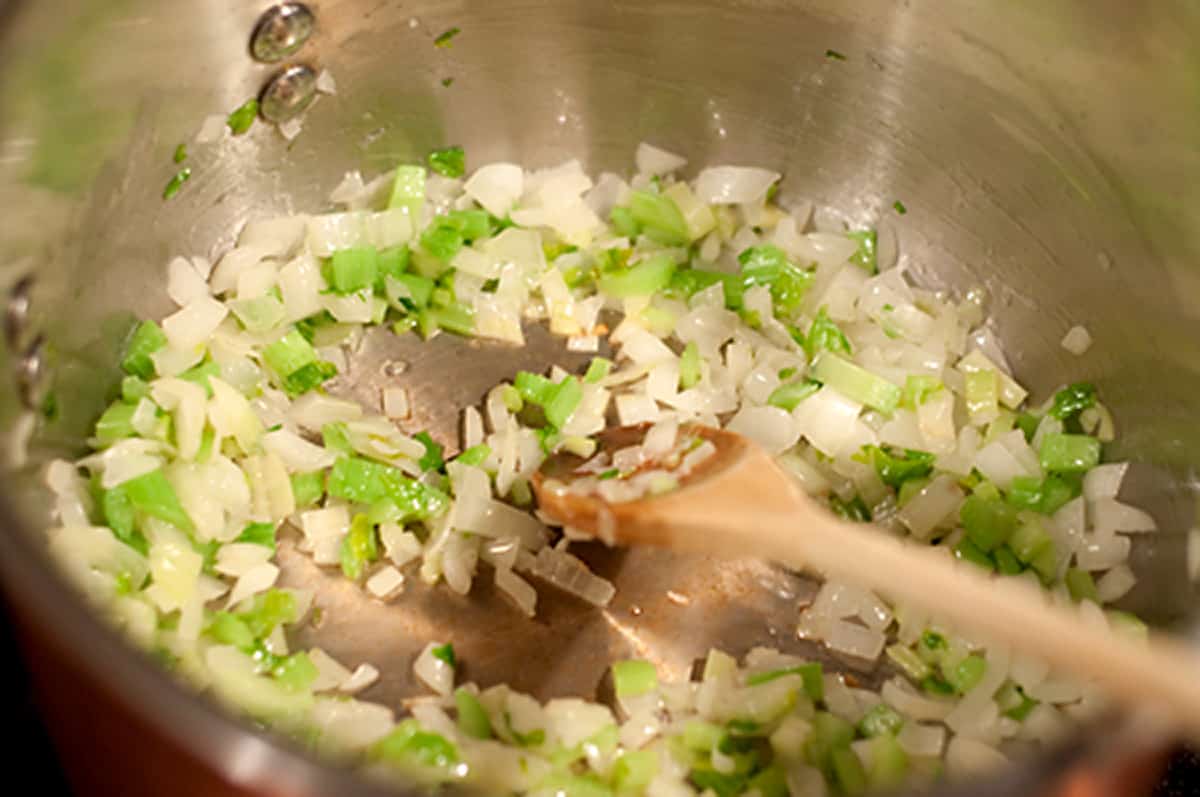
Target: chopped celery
597, 370
889, 764
829, 733
899, 207
856, 383
456, 318
241, 119
533, 388
153, 495
359, 548
810, 674
770, 782
853, 510
294, 361
708, 780
659, 218
1072, 400
335, 437
907, 660
147, 338
119, 515
432, 459
768, 265
824, 335
308, 488
259, 534
115, 424
409, 288
788, 397
1069, 453
268, 610
702, 736
689, 366
642, 279
408, 191
409, 746
1029, 541
443, 241
865, 257
365, 482
562, 401
134, 389
1007, 562
180, 154
982, 394
895, 466
352, 270
1014, 703
445, 653
880, 720
1081, 585
445, 38
848, 772
917, 390
964, 675
229, 629
1028, 424
634, 677
566, 785
624, 223
296, 673
200, 374
634, 770
475, 455
448, 161
1025, 492
472, 718
175, 184
988, 522
968, 551
1045, 564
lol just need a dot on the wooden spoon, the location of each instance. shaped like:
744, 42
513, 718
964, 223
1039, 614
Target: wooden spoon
739, 502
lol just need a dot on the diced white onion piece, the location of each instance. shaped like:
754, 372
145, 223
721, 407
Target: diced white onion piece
1113, 585
432, 671
734, 185
350, 726
772, 428
364, 675
967, 757
1109, 515
325, 82
1104, 481
385, 582
496, 187
256, 580
1102, 551
921, 740
192, 325
184, 283
654, 161
330, 672
395, 402
1077, 340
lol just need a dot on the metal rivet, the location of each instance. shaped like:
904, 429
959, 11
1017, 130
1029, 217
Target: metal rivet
288, 94
16, 315
28, 372
281, 31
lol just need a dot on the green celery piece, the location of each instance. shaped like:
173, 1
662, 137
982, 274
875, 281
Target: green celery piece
1028, 424
936, 685
533, 388
917, 390
968, 551
856, 383
268, 610
853, 510
175, 184
624, 223
988, 522
686, 282
456, 318
229, 629
689, 366
309, 377
1081, 585
1007, 562
634, 677
408, 192
180, 154
352, 270
391, 263
899, 207
294, 361
788, 397
659, 218
335, 437
241, 119
865, 257
1014, 703
707, 779
848, 772
475, 455
896, 466
308, 488
1029, 541
1072, 400
409, 746
879, 721
1025, 492
445, 653
964, 675
597, 370
810, 674
562, 402
1058, 489
472, 718
365, 482
419, 291
120, 516
445, 38
767, 264
432, 459
701, 736
448, 161
147, 338
296, 673
134, 389
153, 495
201, 373
770, 782
907, 660
889, 764
634, 770
824, 335
1069, 453
473, 224
829, 733
643, 279
568, 785
259, 534
442, 241
1045, 564
115, 424
982, 392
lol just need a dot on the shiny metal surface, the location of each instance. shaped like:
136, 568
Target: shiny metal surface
281, 31
1045, 152
289, 93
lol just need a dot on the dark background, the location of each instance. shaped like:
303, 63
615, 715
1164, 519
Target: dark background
33, 759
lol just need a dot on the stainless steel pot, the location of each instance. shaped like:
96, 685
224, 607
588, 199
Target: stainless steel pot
1046, 152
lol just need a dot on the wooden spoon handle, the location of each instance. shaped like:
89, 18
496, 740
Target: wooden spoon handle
1164, 673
